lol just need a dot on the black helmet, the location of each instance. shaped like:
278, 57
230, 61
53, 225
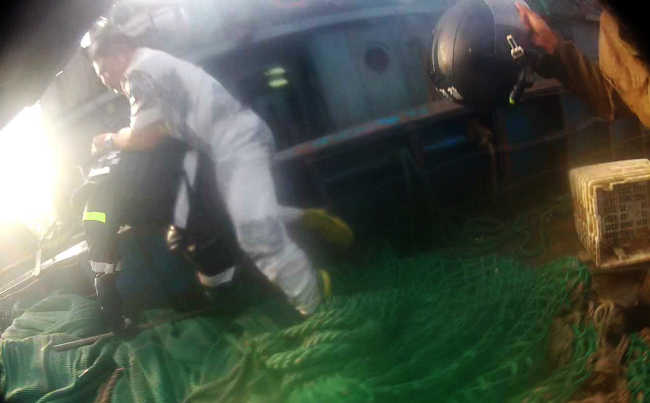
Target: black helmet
479, 53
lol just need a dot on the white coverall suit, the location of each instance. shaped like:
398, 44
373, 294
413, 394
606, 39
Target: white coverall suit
199, 111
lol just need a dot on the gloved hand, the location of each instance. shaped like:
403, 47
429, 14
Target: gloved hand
540, 33
110, 302
178, 241
175, 239
102, 143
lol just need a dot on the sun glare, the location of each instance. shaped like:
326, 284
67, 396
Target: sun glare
27, 171
85, 41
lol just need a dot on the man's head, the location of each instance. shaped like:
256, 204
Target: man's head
111, 52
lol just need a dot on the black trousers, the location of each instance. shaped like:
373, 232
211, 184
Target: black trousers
141, 190
249, 288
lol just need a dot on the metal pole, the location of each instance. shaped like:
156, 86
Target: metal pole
92, 340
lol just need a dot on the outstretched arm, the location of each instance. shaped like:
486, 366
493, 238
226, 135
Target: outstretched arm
131, 140
573, 69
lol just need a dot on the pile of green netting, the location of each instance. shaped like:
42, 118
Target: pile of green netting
422, 329
638, 370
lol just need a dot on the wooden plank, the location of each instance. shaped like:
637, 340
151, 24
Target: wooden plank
627, 269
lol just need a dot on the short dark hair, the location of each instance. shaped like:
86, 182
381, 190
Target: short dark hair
106, 39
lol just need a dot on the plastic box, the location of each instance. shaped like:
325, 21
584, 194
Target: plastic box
612, 211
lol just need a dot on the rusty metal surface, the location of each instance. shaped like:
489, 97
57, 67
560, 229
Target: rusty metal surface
433, 111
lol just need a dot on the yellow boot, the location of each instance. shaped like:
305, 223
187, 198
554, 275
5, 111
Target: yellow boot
324, 284
333, 229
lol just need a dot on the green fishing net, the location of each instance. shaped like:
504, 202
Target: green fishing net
425, 328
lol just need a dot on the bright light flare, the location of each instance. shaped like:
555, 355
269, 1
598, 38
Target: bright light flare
85, 41
27, 171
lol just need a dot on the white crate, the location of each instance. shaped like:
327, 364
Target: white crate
611, 205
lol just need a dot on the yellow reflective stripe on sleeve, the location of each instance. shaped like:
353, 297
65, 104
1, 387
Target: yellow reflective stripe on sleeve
90, 216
